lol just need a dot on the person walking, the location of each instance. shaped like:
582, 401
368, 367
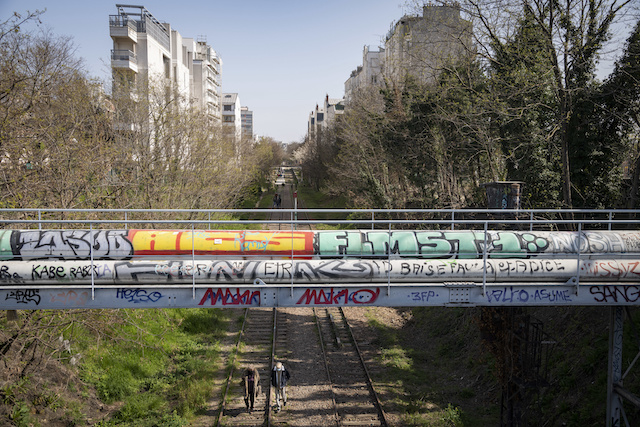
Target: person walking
279, 377
251, 380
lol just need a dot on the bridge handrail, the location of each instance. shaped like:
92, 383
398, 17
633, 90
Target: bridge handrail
371, 217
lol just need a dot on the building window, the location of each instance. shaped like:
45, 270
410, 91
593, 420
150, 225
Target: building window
228, 107
229, 118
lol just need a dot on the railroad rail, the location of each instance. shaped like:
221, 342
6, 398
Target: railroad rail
261, 341
286, 216
353, 394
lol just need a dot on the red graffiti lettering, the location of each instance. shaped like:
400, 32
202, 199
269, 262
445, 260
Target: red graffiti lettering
361, 297
333, 297
227, 297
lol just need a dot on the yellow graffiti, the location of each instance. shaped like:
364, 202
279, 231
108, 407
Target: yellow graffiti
215, 241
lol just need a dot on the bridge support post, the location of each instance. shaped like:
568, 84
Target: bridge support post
614, 376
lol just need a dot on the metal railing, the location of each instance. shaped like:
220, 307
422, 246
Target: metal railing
181, 248
521, 219
123, 55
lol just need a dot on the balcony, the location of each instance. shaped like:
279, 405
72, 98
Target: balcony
120, 26
124, 59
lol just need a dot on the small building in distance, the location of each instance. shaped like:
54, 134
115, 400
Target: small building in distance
246, 123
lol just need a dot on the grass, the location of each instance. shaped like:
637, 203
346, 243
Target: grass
425, 365
161, 366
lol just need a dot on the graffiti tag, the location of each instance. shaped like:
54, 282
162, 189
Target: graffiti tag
228, 297
138, 296
510, 295
614, 294
24, 296
332, 296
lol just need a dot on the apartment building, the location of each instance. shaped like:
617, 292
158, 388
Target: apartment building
231, 116
333, 107
246, 123
416, 46
206, 79
147, 50
366, 75
420, 46
315, 123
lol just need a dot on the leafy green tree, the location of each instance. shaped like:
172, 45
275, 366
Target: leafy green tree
619, 106
567, 39
523, 81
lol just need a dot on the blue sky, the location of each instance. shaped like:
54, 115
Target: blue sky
281, 56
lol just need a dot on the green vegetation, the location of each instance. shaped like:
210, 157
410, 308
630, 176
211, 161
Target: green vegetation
522, 107
431, 386
154, 367
516, 114
162, 364
439, 371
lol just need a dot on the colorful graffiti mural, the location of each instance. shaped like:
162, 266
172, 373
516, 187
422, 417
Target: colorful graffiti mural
278, 272
129, 244
217, 268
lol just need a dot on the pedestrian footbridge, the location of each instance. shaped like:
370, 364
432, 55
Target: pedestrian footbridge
62, 259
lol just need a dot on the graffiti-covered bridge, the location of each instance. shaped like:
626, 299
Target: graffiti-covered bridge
62, 259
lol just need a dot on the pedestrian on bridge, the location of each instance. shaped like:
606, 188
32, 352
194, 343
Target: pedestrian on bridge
279, 377
251, 380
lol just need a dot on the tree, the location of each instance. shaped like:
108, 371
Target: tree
360, 167
67, 144
569, 37
53, 122
620, 98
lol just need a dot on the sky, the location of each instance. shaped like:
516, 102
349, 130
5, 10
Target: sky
282, 57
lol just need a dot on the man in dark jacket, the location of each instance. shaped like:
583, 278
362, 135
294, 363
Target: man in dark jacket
251, 380
279, 377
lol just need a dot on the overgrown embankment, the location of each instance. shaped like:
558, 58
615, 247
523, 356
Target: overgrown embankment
440, 370
108, 367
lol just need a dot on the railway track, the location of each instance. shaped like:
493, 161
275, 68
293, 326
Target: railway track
261, 340
283, 216
354, 397
326, 359
345, 391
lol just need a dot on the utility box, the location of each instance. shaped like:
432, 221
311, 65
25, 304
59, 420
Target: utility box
503, 194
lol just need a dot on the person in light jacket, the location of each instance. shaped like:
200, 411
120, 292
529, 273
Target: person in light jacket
279, 377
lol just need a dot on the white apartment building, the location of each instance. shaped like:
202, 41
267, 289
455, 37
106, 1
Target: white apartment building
416, 46
323, 116
231, 116
315, 122
246, 122
206, 79
367, 75
333, 107
141, 44
146, 50
182, 50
